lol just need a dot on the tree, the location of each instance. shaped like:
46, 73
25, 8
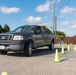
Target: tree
74, 35
6, 28
60, 33
46, 30
1, 29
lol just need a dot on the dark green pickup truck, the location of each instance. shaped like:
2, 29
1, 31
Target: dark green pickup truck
26, 38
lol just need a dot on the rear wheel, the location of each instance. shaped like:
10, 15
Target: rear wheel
51, 46
28, 49
3, 52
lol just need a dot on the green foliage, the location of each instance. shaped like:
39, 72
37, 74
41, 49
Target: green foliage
57, 37
6, 28
60, 33
74, 35
46, 30
1, 29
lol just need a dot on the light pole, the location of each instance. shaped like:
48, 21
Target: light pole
65, 31
54, 17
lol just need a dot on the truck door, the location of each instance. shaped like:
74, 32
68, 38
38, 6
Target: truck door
38, 37
47, 38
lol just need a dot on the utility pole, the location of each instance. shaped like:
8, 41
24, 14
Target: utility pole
54, 17
65, 32
55, 29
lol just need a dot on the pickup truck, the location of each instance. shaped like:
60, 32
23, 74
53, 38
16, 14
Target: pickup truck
26, 38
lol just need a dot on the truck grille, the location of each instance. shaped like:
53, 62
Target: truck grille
5, 37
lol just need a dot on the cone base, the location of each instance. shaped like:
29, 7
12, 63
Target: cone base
62, 53
4, 73
74, 49
57, 61
68, 49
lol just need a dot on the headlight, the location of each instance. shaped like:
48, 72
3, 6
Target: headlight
18, 37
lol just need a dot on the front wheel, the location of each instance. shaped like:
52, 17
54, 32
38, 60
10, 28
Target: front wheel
51, 46
28, 49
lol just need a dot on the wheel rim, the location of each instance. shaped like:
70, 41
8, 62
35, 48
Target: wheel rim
30, 49
52, 45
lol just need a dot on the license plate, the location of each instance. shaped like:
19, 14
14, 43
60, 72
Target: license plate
2, 47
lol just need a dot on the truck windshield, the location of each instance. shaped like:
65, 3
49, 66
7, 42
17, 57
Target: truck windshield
29, 29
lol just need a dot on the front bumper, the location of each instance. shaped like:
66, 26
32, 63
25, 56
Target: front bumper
13, 45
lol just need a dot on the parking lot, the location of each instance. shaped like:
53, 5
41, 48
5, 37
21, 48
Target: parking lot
41, 63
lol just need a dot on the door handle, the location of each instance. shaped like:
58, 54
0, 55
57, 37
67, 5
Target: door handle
42, 35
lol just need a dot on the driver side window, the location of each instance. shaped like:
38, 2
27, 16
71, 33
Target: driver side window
38, 30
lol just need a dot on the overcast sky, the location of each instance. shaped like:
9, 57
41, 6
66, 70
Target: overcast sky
20, 12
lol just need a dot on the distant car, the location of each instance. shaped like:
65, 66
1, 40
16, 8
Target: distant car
26, 38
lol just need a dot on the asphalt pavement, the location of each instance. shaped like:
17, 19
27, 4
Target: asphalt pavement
41, 63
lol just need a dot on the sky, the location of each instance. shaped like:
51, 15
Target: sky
21, 12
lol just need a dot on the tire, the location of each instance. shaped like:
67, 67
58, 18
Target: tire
51, 46
28, 49
3, 52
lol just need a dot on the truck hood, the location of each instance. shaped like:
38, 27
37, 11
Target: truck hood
14, 33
